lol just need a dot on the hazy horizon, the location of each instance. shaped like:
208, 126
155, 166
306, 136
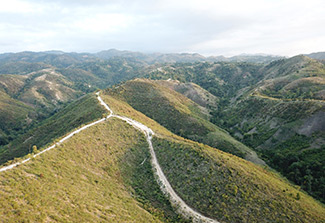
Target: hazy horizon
278, 27
216, 55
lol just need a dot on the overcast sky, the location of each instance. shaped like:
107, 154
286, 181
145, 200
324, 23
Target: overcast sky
209, 27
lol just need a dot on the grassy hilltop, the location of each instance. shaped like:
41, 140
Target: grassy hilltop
179, 114
104, 174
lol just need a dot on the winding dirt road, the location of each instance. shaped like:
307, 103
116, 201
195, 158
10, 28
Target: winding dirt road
180, 206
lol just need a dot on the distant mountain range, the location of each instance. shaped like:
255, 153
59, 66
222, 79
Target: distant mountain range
184, 57
317, 56
150, 58
66, 59
220, 124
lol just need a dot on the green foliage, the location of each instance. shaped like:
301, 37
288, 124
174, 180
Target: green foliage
34, 149
82, 111
229, 189
300, 164
78, 181
177, 113
149, 100
137, 173
14, 116
283, 149
116, 184
223, 79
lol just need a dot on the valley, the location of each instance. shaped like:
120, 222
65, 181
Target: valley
156, 167
176, 201
165, 142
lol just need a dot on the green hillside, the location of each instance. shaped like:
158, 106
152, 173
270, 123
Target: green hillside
80, 181
104, 174
283, 119
179, 114
277, 109
221, 185
15, 116
83, 110
297, 78
39, 84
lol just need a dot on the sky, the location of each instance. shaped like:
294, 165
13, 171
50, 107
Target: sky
208, 27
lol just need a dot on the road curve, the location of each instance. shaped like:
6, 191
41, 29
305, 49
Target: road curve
177, 202
180, 206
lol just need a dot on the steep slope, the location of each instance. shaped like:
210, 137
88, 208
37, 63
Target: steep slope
317, 56
43, 88
27, 99
179, 114
83, 110
297, 78
15, 116
283, 119
276, 109
49, 186
204, 99
34, 86
220, 185
56, 188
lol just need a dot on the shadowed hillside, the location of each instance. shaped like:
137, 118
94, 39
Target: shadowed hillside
179, 114
104, 174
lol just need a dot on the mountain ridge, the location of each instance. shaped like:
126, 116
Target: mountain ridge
160, 133
276, 109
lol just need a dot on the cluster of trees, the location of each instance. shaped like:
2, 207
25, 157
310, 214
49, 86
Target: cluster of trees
303, 165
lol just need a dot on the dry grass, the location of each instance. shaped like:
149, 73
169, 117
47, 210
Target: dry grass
77, 182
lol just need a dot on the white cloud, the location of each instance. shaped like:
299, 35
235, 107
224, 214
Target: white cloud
100, 23
205, 26
16, 6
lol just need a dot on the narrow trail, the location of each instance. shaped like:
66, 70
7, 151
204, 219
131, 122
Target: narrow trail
181, 207
259, 94
177, 202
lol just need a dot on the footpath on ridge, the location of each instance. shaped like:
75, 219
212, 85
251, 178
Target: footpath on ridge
180, 206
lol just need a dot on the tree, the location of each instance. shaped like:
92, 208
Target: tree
34, 149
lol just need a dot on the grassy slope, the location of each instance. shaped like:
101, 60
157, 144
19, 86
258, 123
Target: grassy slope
13, 116
297, 78
230, 189
27, 99
91, 177
138, 176
283, 119
178, 114
224, 186
80, 181
289, 134
84, 110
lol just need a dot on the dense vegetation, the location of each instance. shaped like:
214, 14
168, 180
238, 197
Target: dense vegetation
190, 167
178, 114
303, 165
83, 110
115, 182
79, 181
230, 189
265, 106
137, 173
14, 116
268, 107
287, 134
46, 80
222, 79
